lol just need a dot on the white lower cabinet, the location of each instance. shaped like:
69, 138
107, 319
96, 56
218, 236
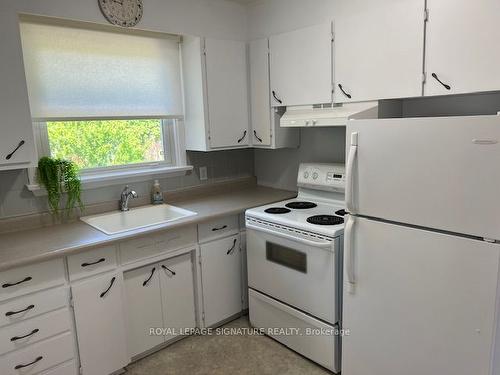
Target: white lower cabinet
177, 294
143, 307
100, 324
221, 279
159, 295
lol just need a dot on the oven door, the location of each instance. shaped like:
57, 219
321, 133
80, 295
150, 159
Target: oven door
295, 271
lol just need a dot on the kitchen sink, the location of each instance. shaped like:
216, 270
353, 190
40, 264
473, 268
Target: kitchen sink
136, 218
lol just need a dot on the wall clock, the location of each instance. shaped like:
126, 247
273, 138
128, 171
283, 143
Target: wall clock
126, 13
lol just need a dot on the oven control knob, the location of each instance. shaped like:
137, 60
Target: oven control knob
315, 175
306, 174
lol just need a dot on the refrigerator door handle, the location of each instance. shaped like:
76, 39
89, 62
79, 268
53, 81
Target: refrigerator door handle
353, 150
349, 251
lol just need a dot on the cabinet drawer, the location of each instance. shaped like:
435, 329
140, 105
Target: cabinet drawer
137, 248
152, 245
19, 335
23, 280
35, 304
68, 368
39, 357
218, 228
177, 238
91, 262
270, 314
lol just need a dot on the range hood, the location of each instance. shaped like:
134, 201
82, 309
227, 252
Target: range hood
328, 114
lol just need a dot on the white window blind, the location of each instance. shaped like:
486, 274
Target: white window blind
79, 72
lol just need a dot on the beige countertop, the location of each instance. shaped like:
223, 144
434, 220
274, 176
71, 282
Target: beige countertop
35, 245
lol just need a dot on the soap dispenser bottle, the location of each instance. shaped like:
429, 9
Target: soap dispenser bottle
156, 194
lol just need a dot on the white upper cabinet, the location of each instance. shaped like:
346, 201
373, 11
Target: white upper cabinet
215, 94
379, 47
265, 126
16, 128
227, 92
301, 66
462, 46
259, 92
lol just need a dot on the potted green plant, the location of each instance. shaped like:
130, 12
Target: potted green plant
60, 176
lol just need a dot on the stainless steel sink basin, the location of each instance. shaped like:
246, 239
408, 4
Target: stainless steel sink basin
136, 218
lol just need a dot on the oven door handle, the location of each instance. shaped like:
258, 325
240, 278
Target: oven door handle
323, 244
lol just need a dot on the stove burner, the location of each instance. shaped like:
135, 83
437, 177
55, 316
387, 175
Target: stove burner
340, 212
325, 220
301, 205
277, 210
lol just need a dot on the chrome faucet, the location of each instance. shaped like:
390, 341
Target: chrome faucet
125, 196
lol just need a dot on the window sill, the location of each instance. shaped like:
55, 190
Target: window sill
102, 179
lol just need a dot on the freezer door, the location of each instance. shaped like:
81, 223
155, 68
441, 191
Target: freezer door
441, 173
417, 302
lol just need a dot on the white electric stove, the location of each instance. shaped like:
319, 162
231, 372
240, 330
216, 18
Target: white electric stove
294, 256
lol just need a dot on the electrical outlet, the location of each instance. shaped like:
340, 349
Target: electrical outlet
203, 173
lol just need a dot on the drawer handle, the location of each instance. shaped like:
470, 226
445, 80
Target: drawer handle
344, 92
109, 287
220, 228
168, 269
38, 359
230, 251
10, 313
242, 137
15, 338
29, 278
19, 145
150, 277
93, 263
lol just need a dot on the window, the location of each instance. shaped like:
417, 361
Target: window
103, 97
96, 144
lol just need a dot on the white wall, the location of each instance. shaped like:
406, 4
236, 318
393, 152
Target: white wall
215, 18
279, 168
269, 17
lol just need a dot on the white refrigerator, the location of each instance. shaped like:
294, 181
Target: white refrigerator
421, 251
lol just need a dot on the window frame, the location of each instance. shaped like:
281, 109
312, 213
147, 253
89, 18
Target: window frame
174, 163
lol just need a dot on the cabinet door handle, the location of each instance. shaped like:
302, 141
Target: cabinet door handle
109, 287
447, 87
19, 145
276, 97
242, 137
15, 338
343, 91
150, 277
38, 359
256, 136
7, 285
10, 313
168, 269
230, 251
219, 228
93, 263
